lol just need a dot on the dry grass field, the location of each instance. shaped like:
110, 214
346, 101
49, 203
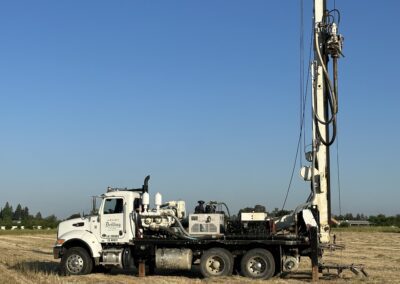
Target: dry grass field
27, 258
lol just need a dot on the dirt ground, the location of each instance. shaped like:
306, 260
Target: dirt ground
29, 259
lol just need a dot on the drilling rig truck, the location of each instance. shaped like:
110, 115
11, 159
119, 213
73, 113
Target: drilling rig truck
125, 232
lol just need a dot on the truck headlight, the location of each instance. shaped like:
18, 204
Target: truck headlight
158, 220
147, 221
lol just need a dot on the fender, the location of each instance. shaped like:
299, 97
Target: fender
83, 236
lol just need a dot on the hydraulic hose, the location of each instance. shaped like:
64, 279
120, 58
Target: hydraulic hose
183, 234
330, 142
332, 97
179, 224
220, 203
335, 78
227, 209
172, 232
332, 92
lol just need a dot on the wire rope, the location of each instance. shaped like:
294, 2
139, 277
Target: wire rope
301, 65
303, 99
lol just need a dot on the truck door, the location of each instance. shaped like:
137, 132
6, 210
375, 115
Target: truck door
112, 225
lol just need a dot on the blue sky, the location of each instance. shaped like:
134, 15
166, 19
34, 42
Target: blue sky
202, 95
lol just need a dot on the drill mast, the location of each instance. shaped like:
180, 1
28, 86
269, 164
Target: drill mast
327, 43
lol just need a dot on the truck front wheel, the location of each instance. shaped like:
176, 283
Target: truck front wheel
76, 261
216, 262
258, 264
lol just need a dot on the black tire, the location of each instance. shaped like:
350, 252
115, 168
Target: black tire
258, 264
216, 262
76, 261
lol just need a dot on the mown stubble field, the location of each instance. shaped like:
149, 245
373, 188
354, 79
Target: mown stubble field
27, 258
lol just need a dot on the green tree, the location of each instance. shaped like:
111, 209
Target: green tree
50, 221
348, 216
7, 212
18, 212
279, 213
73, 216
25, 213
38, 216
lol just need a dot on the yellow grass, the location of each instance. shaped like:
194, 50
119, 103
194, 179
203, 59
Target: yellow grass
28, 258
28, 232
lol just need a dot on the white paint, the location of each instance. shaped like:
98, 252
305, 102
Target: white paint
321, 197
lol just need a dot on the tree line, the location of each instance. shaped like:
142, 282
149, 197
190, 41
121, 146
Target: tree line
376, 220
22, 217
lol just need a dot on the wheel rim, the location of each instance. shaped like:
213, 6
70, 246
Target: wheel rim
215, 265
75, 263
257, 265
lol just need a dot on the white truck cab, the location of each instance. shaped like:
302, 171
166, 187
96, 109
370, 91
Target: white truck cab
116, 214
85, 242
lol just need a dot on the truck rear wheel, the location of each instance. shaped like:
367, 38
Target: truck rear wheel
216, 262
258, 264
76, 261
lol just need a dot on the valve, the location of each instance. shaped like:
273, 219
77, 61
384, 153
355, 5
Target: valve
334, 43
